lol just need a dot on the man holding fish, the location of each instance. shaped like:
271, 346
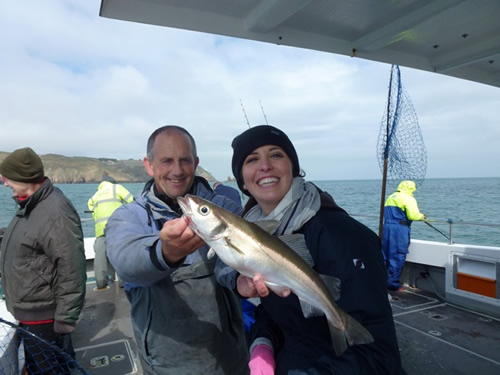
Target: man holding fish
338, 319
184, 321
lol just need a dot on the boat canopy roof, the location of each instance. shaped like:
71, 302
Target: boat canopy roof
459, 38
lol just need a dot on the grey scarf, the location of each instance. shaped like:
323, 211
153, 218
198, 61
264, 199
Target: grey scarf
296, 208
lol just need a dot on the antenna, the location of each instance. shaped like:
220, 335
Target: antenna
264, 113
246, 117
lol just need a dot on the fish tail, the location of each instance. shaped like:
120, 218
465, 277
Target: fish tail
354, 334
338, 340
357, 334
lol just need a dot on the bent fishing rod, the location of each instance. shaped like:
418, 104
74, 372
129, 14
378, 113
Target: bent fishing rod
433, 227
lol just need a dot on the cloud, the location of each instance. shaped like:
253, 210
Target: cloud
74, 83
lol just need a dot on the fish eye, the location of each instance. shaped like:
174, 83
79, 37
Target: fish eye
204, 210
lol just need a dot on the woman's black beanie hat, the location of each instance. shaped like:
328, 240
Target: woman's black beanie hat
254, 138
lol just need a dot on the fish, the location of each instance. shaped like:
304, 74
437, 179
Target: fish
250, 250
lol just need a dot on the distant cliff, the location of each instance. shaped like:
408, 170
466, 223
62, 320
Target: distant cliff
77, 170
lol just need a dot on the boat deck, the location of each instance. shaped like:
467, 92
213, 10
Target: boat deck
104, 340
434, 337
440, 338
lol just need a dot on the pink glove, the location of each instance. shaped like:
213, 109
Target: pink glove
262, 360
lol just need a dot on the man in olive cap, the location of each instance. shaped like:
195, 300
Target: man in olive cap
43, 263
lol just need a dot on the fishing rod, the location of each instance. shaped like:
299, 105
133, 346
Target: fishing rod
245, 113
264, 113
433, 227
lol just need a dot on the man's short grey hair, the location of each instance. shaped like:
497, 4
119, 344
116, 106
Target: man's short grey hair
166, 128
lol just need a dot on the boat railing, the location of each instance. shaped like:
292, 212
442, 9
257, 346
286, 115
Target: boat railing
450, 222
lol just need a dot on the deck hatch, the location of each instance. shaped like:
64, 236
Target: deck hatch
109, 358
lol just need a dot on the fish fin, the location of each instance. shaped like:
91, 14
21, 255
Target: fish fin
211, 253
309, 310
333, 285
297, 243
230, 244
269, 226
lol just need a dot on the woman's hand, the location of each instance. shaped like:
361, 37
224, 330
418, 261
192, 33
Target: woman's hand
256, 287
262, 361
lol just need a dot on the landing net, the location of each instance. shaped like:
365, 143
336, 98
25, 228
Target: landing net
400, 148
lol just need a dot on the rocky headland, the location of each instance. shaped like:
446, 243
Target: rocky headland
79, 170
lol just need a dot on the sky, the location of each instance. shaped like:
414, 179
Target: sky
76, 84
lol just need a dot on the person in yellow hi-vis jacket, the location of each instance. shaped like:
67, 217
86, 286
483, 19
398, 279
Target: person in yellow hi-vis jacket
401, 209
104, 202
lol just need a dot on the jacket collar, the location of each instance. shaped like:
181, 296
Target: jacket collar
150, 196
39, 195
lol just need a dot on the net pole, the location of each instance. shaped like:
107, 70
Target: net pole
386, 160
382, 200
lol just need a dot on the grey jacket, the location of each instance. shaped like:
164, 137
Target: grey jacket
43, 259
184, 321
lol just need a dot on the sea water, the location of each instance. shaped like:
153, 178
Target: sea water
471, 204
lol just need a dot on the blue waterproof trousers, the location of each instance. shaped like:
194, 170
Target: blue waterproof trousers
395, 243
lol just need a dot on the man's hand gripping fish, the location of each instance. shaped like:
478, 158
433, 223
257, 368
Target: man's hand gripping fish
251, 250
